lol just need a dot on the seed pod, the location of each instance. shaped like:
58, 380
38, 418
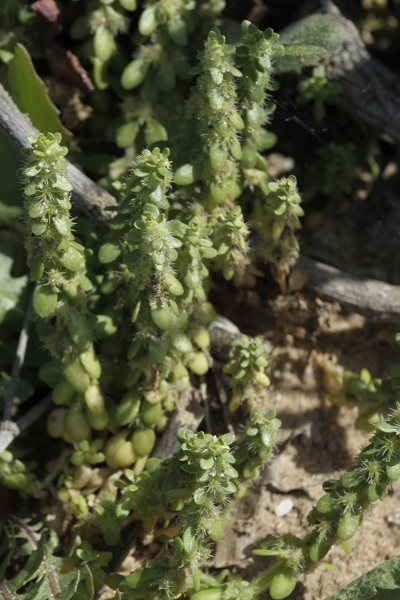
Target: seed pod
50, 373
128, 408
181, 342
351, 478
162, 317
347, 526
236, 120
206, 313
147, 22
109, 252
76, 425
79, 330
131, 378
103, 43
154, 132
56, 421
119, 452
100, 75
282, 584
63, 393
192, 281
76, 375
126, 134
73, 260
38, 228
199, 364
94, 400
324, 504
201, 337
236, 149
134, 74
37, 269
255, 115
98, 422
37, 209
218, 157
150, 413
90, 363
172, 284
62, 223
249, 468
44, 301
376, 492
218, 193
157, 351
393, 471
185, 175
143, 441
318, 550
249, 155
135, 311
84, 282
177, 31
262, 379
256, 93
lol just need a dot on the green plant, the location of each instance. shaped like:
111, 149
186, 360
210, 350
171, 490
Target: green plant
181, 108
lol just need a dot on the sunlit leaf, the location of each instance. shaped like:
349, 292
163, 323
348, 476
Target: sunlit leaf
29, 94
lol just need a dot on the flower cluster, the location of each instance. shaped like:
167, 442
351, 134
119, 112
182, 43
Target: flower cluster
57, 263
247, 372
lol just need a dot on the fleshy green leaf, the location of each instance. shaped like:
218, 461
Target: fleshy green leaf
29, 94
309, 40
381, 583
30, 569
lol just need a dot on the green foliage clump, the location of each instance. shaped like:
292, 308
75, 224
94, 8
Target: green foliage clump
182, 112
247, 373
339, 513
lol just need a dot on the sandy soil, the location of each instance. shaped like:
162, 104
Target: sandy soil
312, 341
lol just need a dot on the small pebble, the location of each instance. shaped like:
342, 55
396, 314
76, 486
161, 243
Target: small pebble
394, 517
284, 507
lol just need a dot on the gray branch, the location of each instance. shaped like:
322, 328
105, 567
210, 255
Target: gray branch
368, 296
371, 91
